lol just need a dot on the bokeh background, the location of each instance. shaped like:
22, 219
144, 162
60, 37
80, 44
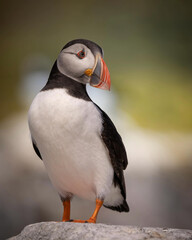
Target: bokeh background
148, 50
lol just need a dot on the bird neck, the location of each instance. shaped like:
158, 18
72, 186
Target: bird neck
59, 80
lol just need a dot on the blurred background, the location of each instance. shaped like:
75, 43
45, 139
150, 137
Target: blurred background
148, 50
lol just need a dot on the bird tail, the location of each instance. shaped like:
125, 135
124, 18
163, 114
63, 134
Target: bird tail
120, 208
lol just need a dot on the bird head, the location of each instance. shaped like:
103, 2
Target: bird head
82, 61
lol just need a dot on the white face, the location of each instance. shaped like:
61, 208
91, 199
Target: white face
74, 61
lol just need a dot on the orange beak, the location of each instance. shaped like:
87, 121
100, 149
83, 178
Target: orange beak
100, 77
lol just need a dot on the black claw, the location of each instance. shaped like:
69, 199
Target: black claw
71, 220
86, 221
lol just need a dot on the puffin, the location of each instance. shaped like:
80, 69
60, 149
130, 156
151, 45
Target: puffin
82, 151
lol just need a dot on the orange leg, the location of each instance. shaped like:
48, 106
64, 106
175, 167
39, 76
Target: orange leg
93, 218
66, 210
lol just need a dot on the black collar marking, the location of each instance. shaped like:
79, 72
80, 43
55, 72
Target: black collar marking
59, 80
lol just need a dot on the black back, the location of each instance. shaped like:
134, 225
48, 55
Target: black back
118, 156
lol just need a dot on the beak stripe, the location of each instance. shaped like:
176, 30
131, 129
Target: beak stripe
103, 81
105, 76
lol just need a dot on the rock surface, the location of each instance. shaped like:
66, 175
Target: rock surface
79, 231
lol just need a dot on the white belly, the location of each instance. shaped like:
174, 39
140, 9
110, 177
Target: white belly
67, 133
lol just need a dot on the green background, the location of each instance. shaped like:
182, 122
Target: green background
147, 45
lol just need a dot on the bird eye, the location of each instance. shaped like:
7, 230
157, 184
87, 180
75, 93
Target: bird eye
81, 54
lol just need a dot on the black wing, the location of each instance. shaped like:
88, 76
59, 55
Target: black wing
116, 149
36, 149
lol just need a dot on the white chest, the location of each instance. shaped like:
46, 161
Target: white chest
56, 111
67, 132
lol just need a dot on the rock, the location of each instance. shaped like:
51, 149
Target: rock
78, 231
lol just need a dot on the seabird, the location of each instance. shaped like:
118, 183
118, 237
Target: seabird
80, 147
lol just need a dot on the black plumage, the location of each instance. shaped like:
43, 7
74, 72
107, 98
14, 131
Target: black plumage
59, 80
118, 156
36, 150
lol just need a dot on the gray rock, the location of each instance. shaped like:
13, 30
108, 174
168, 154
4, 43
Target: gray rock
78, 231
